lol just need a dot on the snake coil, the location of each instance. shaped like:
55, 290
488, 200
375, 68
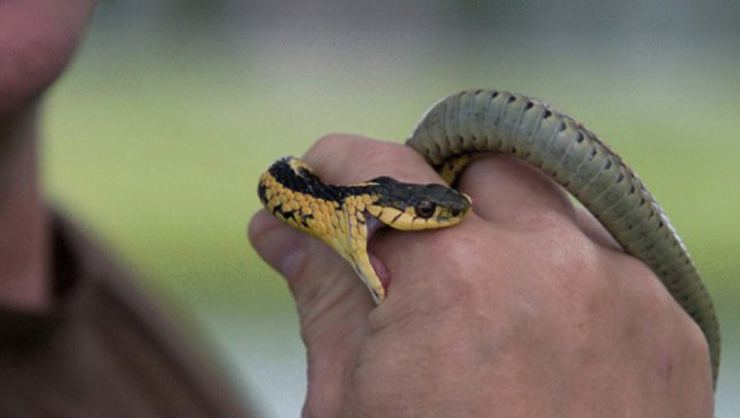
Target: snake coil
477, 121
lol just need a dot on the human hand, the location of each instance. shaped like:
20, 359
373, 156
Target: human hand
525, 309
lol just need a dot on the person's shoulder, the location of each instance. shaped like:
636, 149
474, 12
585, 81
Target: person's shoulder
107, 345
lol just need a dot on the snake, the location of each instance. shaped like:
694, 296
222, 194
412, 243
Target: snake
454, 132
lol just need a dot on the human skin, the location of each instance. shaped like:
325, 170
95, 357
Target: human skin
526, 309
463, 337
37, 39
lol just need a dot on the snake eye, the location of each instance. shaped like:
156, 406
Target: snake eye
425, 209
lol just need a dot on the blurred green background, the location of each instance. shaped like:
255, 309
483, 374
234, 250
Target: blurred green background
157, 133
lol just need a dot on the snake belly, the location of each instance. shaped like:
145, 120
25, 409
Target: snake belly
480, 121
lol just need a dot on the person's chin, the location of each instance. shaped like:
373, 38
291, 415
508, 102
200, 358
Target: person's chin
37, 38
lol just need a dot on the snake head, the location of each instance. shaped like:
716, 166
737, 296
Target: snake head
409, 206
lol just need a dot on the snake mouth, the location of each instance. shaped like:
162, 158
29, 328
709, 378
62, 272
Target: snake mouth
374, 225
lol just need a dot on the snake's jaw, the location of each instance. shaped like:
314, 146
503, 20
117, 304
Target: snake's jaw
355, 251
372, 281
360, 261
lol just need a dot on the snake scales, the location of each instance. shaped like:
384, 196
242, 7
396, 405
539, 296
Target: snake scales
449, 135
476, 121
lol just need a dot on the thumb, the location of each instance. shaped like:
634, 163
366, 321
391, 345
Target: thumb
320, 280
333, 305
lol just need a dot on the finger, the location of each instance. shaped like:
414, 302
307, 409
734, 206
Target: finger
594, 230
347, 159
316, 275
332, 302
332, 305
506, 190
286, 249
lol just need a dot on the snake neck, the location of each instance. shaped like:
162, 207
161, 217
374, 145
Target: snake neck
451, 168
293, 193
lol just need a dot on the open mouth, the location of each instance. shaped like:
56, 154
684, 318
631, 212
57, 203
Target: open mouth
374, 225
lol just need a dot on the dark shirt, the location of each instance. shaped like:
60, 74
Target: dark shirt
103, 350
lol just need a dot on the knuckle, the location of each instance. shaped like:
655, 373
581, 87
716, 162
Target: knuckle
460, 272
643, 287
332, 142
551, 223
574, 272
329, 143
692, 347
576, 260
388, 158
566, 250
382, 154
377, 158
696, 341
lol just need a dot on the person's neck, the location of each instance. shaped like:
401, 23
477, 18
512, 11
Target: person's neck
24, 220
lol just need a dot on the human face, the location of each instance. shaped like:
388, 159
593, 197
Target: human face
37, 38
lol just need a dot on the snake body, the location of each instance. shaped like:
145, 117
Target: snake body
449, 136
476, 121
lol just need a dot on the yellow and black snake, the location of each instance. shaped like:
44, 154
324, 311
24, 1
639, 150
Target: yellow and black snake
449, 135
340, 215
